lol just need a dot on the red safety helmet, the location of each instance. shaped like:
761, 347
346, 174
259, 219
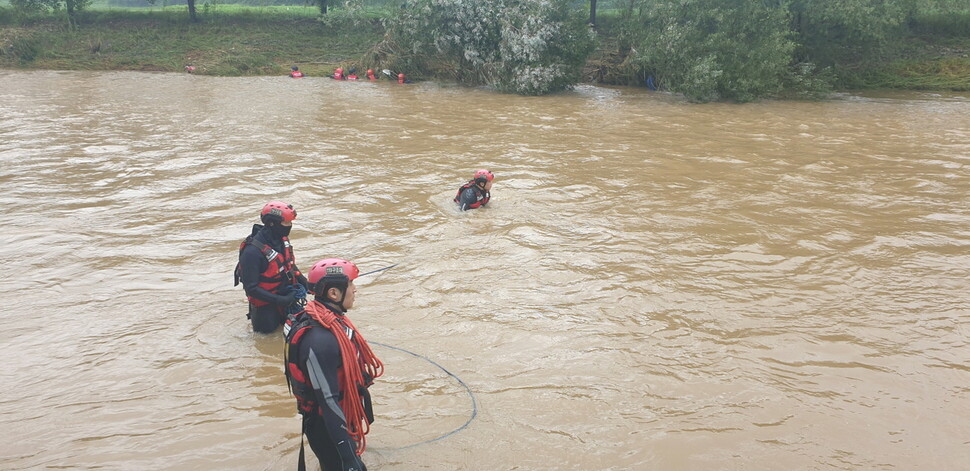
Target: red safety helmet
484, 174
277, 211
335, 270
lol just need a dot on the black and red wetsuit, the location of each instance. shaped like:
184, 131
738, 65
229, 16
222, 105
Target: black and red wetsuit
471, 196
313, 367
266, 269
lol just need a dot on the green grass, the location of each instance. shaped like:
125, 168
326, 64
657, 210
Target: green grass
229, 40
918, 63
938, 74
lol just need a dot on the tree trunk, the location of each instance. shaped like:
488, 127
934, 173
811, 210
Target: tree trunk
193, 15
323, 6
71, 8
592, 12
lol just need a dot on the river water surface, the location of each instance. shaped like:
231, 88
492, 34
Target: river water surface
654, 286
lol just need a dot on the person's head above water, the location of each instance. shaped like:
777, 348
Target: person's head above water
277, 212
278, 217
332, 279
484, 178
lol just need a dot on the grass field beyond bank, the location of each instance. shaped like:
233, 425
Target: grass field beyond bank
229, 40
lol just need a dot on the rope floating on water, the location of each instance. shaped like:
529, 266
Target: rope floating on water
471, 396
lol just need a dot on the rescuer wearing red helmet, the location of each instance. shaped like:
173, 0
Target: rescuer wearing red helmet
329, 367
475, 193
267, 267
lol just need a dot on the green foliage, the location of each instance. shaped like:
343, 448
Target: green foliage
34, 6
805, 82
25, 49
950, 73
28, 8
77, 5
243, 62
29, 11
705, 49
530, 47
941, 23
714, 49
830, 32
164, 39
7, 15
543, 47
352, 16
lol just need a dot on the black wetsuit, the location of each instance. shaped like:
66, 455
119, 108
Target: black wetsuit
253, 263
319, 358
473, 197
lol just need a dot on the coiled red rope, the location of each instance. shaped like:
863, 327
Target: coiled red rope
353, 371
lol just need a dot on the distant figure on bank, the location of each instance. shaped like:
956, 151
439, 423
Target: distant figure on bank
339, 74
329, 367
295, 72
190, 68
267, 268
370, 74
475, 193
352, 74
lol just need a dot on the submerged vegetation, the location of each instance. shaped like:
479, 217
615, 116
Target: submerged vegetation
707, 50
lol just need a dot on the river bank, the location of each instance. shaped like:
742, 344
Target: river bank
269, 40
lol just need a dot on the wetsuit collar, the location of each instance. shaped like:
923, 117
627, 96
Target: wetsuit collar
268, 237
334, 307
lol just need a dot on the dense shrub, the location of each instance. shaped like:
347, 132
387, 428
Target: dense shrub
530, 47
714, 49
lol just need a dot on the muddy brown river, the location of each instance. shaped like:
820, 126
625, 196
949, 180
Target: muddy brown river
655, 285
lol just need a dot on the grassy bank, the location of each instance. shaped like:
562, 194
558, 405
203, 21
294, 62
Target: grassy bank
238, 40
917, 63
933, 55
229, 40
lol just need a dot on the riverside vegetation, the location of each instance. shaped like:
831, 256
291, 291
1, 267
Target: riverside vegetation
707, 50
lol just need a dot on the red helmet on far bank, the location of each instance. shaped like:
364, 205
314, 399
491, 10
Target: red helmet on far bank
483, 173
277, 211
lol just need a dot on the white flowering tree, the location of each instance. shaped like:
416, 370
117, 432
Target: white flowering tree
530, 47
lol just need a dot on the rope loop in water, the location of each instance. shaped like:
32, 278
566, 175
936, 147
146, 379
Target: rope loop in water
468, 390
